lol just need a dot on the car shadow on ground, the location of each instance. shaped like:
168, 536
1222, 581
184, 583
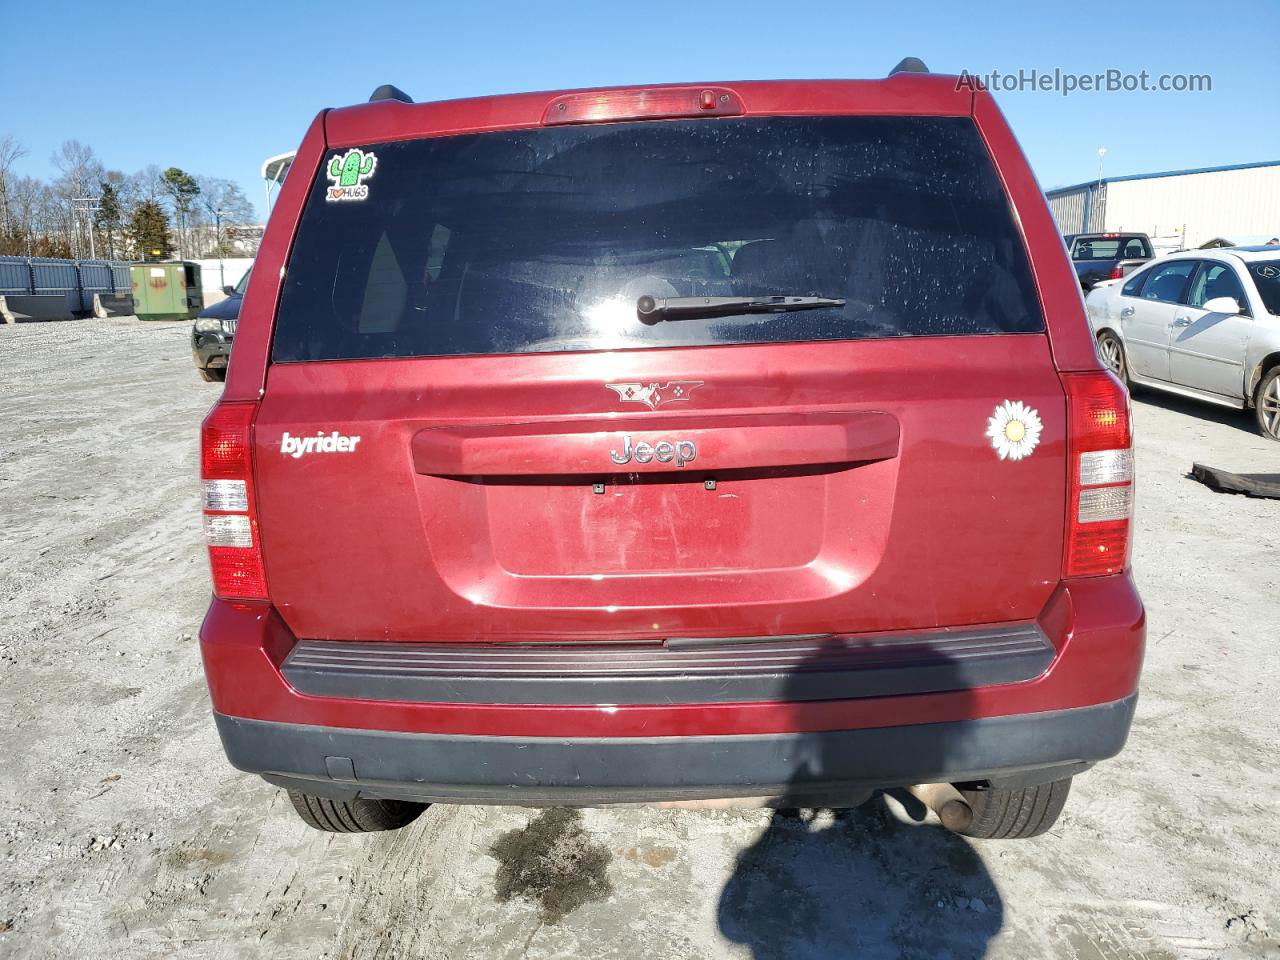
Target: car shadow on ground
865, 882
859, 883
1240, 419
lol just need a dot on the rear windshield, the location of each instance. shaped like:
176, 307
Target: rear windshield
543, 240
1111, 248
1266, 276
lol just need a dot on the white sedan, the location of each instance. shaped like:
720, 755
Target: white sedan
1202, 324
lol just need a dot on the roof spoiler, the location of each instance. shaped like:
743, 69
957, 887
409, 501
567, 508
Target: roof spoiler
909, 65
388, 92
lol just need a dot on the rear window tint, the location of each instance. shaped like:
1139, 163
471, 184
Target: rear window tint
1111, 248
543, 240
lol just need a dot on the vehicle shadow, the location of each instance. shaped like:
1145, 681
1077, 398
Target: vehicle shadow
880, 879
1240, 419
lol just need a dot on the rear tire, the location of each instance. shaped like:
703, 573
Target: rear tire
1015, 813
354, 816
1111, 350
213, 374
1266, 404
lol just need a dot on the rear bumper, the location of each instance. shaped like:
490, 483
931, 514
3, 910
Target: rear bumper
1096, 628
1073, 713
345, 763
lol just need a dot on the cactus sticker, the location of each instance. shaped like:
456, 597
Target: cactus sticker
348, 172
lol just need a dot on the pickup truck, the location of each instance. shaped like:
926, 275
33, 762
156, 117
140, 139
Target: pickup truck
1106, 256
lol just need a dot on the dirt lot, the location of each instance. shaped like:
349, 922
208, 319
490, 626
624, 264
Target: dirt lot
127, 835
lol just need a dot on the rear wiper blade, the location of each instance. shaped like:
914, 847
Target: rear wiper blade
652, 309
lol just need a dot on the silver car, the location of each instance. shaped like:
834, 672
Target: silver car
1202, 324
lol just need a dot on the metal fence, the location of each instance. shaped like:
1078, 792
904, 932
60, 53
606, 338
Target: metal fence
15, 275
77, 280
95, 277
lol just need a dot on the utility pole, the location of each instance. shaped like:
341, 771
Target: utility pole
88, 206
217, 239
1097, 193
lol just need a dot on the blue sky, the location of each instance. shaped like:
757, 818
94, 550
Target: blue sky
217, 88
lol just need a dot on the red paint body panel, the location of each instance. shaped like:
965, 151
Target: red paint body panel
1060, 297
368, 548
855, 489
908, 95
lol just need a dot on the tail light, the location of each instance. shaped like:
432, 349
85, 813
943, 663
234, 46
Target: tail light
230, 515
1117, 272
651, 104
1100, 461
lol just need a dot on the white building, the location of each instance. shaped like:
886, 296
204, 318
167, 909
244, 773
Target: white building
1178, 209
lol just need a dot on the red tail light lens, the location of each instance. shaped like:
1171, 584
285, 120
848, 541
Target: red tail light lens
655, 104
1100, 484
1116, 272
230, 515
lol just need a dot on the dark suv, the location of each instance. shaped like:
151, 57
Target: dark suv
669, 444
215, 330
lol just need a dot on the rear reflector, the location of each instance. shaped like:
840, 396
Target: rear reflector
1101, 475
237, 573
659, 103
230, 515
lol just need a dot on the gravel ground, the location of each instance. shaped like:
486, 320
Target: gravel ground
127, 835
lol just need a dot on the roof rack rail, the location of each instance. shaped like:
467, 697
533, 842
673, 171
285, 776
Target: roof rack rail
909, 65
388, 92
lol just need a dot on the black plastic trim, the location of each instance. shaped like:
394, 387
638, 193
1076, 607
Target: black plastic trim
389, 92
544, 771
909, 65
683, 670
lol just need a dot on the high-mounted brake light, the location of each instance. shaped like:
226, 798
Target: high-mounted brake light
1100, 485
656, 104
230, 515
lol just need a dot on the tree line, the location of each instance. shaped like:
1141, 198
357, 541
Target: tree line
88, 210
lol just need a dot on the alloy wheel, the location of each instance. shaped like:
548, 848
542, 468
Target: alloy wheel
1269, 408
1112, 357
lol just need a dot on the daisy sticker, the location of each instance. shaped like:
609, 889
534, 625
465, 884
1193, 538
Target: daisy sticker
1014, 430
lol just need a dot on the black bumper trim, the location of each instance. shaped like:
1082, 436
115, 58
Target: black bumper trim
731, 670
545, 771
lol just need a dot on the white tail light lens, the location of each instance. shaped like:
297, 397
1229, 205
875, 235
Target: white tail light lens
1105, 503
1106, 466
230, 496
227, 531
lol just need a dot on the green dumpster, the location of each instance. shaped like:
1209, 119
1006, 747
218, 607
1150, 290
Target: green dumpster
167, 291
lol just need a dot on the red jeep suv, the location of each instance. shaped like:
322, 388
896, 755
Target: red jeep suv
669, 444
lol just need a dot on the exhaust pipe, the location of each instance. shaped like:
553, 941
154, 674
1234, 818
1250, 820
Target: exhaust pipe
947, 802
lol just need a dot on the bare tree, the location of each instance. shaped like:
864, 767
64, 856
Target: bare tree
148, 184
223, 207
40, 218
79, 174
11, 151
